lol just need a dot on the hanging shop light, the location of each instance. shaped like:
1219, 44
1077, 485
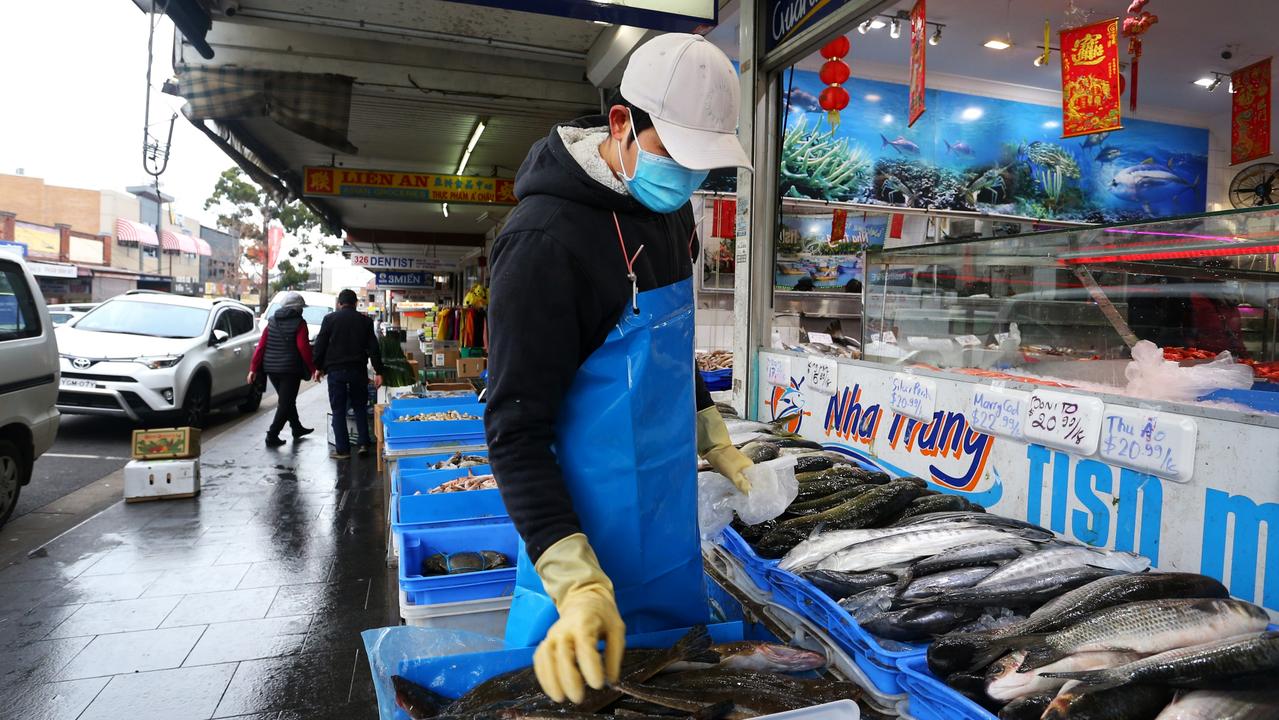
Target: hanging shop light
936, 38
834, 74
445, 209
862, 27
895, 29
877, 24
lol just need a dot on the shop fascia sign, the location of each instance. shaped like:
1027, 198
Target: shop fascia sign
398, 262
787, 17
51, 270
403, 279
406, 186
668, 15
13, 248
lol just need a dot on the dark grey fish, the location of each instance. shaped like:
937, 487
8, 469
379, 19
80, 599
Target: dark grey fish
758, 451
1031, 707
1140, 702
970, 516
918, 624
1020, 592
973, 554
945, 582
839, 585
1233, 663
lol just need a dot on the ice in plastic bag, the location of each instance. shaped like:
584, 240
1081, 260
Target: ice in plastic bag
773, 488
1152, 377
387, 648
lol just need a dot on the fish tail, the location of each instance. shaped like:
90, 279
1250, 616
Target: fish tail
695, 644
948, 147
885, 139
1093, 680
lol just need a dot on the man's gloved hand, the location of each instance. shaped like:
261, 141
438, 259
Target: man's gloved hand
583, 594
717, 449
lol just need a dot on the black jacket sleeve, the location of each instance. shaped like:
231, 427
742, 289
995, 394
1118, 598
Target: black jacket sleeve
374, 350
703, 395
322, 341
535, 300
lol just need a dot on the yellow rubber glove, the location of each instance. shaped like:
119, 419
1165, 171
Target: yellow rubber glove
714, 445
583, 594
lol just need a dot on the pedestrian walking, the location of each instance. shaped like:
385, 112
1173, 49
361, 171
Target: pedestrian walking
343, 349
284, 354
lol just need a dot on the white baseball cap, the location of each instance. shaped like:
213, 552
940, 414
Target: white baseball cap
690, 90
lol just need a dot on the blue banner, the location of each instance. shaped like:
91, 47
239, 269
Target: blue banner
13, 248
386, 279
633, 12
787, 17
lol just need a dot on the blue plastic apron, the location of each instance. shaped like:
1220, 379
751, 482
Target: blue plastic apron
627, 445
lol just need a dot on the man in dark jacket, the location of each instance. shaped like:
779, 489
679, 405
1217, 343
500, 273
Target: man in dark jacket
594, 412
343, 349
284, 353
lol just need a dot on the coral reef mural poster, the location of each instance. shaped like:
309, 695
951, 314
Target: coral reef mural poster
977, 153
809, 256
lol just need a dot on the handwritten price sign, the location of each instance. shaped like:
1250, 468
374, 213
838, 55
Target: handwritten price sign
778, 371
913, 396
1150, 441
822, 375
999, 411
1066, 422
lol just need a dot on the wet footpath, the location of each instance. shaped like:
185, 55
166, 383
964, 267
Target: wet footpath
246, 602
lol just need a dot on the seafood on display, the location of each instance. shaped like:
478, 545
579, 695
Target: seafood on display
714, 360
463, 484
460, 460
437, 416
464, 562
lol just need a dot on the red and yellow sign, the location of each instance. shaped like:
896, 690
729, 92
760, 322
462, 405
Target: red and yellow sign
1250, 113
918, 60
1090, 79
407, 186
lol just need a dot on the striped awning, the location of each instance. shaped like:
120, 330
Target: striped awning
129, 231
178, 242
204, 247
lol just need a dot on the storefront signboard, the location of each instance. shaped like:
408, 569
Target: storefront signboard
1188, 491
668, 15
13, 248
399, 279
398, 262
407, 186
786, 18
40, 269
1090, 79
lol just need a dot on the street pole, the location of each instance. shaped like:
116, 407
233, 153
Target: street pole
266, 255
159, 260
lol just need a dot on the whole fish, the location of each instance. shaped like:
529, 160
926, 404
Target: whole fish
969, 517
839, 585
1222, 705
1147, 626
824, 488
1020, 592
826, 502
750, 703
869, 603
972, 554
903, 547
1095, 139
931, 504
759, 657
945, 582
959, 148
1107, 154
818, 690
1149, 183
1003, 682
795, 441
464, 562
778, 542
817, 548
1233, 663
966, 652
918, 623
1140, 702
861, 511
1030, 707
836, 471
416, 700
758, 451
1067, 556
901, 145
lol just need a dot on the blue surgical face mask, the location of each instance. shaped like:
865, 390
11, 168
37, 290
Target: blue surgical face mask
659, 183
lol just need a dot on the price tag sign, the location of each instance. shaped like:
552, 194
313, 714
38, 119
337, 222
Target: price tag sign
998, 411
777, 371
822, 374
1002, 338
913, 396
969, 340
823, 338
1064, 421
1154, 442
889, 337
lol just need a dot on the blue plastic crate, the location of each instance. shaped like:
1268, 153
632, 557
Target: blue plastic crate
416, 404
756, 567
717, 379
1265, 400
412, 509
417, 543
424, 480
427, 462
401, 435
931, 699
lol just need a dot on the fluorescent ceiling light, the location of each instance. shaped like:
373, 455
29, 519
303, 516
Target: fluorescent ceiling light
470, 146
872, 97
1204, 81
998, 44
877, 24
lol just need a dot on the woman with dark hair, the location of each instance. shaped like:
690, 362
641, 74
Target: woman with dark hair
284, 353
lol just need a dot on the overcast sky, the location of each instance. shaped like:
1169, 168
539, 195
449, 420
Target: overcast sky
74, 79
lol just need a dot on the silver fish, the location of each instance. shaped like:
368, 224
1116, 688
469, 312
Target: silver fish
920, 542
821, 546
1003, 682
868, 604
1233, 663
1148, 627
971, 554
942, 582
1223, 705
1061, 557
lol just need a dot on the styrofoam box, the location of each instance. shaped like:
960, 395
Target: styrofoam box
146, 479
486, 616
352, 433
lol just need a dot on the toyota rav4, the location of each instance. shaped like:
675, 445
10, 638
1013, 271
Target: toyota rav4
156, 357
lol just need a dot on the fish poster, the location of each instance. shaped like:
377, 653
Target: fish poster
812, 254
984, 154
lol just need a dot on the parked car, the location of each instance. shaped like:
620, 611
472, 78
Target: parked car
155, 357
63, 313
317, 306
28, 380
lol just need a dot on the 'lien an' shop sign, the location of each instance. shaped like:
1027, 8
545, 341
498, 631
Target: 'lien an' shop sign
406, 186
410, 279
786, 18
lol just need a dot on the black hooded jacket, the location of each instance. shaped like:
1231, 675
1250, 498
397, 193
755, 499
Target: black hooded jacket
281, 356
559, 285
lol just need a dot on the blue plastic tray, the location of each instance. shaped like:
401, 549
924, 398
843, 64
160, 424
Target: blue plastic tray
931, 699
426, 479
411, 509
433, 403
717, 379
425, 462
452, 431
1266, 400
417, 543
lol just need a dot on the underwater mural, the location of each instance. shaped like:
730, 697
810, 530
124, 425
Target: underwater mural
806, 259
978, 153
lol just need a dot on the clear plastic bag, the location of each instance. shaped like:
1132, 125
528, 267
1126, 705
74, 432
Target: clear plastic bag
773, 488
1152, 377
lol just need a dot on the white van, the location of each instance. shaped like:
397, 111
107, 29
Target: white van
28, 379
317, 306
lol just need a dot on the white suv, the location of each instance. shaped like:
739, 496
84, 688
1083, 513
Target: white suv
28, 380
156, 357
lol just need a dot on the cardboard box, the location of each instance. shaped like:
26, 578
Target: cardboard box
352, 431
448, 386
445, 358
378, 440
161, 479
166, 443
470, 367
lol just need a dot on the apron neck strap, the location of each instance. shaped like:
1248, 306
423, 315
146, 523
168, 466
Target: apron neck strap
630, 265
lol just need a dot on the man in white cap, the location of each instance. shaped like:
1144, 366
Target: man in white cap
594, 412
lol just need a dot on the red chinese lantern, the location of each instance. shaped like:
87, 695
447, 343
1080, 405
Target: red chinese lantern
1135, 25
834, 74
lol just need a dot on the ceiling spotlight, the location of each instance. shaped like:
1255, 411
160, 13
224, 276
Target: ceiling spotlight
1204, 82
862, 28
1216, 83
445, 209
1039, 61
936, 38
877, 24
998, 44
895, 29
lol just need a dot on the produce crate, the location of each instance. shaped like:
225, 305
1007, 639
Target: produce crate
406, 435
417, 543
486, 616
425, 462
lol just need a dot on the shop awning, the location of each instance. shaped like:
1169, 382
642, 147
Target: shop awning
179, 242
129, 231
203, 246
